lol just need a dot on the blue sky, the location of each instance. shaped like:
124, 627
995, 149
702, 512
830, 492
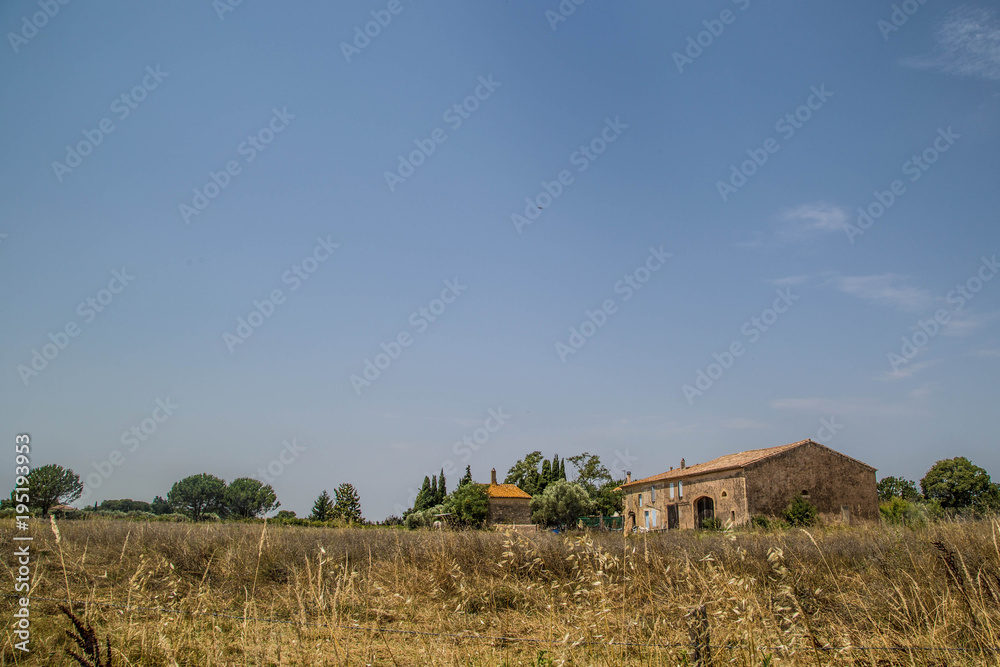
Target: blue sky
640, 122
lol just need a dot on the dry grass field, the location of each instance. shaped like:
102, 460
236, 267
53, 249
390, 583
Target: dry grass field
344, 596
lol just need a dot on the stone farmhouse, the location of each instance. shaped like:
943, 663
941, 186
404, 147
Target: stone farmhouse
508, 503
737, 487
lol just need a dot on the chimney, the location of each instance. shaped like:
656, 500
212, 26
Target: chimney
628, 476
683, 465
493, 477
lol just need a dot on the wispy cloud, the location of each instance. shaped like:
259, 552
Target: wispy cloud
963, 324
923, 391
789, 281
908, 370
743, 423
808, 220
835, 406
887, 289
800, 223
967, 44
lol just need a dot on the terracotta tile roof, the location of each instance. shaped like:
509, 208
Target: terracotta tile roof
728, 462
505, 491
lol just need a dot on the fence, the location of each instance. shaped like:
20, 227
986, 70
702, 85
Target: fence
602, 522
699, 647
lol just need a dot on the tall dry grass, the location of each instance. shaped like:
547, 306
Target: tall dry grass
772, 598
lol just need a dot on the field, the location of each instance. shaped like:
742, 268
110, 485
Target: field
246, 594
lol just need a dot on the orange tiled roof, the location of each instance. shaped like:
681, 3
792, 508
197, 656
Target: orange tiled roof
505, 491
727, 462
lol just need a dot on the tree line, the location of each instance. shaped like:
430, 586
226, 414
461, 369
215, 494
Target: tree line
556, 500
198, 497
951, 486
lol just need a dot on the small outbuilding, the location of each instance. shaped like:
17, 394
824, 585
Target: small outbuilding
508, 503
736, 487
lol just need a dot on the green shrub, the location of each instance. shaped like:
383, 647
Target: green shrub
715, 523
801, 513
899, 512
768, 522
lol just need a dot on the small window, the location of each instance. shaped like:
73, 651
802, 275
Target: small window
805, 493
680, 489
725, 494
652, 494
640, 500
671, 490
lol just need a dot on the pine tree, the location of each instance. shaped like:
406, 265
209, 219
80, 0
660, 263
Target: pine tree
442, 488
466, 478
348, 505
322, 508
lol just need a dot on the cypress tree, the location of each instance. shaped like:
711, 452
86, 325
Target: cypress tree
442, 488
435, 494
546, 473
466, 478
423, 498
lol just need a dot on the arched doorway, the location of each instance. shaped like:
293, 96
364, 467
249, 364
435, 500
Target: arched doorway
704, 508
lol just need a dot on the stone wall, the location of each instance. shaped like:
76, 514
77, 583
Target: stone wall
832, 482
509, 510
727, 489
